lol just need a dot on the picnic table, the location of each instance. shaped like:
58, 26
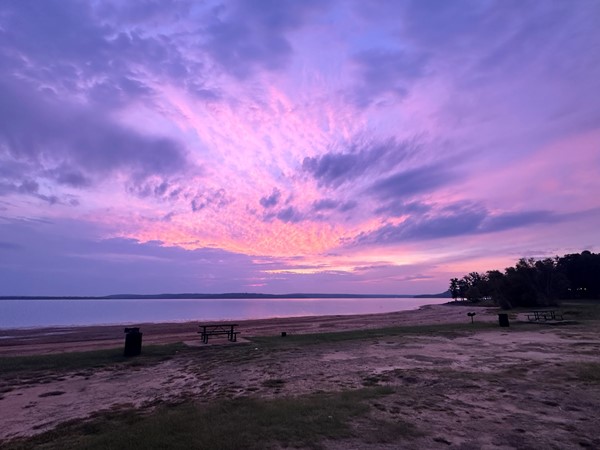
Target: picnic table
544, 315
218, 329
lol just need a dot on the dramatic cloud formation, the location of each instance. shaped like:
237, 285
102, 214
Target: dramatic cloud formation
279, 146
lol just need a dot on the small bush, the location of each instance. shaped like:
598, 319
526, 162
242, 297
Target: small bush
589, 372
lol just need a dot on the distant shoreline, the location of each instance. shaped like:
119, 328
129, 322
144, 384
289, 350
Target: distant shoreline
238, 295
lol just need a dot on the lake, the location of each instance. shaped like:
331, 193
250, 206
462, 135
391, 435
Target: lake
70, 312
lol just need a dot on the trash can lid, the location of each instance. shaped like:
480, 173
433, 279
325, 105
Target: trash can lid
132, 330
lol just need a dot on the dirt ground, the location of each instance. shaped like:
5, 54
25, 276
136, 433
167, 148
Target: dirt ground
497, 388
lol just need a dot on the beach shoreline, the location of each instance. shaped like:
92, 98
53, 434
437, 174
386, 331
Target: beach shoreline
48, 340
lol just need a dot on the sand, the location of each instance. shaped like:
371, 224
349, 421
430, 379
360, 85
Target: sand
67, 339
499, 388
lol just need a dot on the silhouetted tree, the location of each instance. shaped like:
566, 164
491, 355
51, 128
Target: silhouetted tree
521, 289
473, 294
497, 286
454, 291
535, 282
463, 287
582, 272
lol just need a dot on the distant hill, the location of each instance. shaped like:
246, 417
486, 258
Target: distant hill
446, 294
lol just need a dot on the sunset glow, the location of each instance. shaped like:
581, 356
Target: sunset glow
292, 146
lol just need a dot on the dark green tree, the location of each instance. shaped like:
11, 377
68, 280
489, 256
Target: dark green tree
496, 288
535, 283
582, 273
454, 291
463, 287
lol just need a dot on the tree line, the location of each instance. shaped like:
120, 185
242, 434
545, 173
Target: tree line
534, 282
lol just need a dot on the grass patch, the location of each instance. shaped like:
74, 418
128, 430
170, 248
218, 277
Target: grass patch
25, 366
386, 432
446, 330
249, 423
372, 380
273, 383
51, 394
589, 372
581, 310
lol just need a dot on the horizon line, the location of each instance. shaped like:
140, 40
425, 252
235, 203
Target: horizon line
241, 295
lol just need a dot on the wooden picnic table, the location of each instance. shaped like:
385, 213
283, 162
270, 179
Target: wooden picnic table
544, 314
217, 329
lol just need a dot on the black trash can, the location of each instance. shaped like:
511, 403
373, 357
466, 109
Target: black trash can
133, 342
503, 320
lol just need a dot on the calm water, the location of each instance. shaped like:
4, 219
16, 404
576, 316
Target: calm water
43, 313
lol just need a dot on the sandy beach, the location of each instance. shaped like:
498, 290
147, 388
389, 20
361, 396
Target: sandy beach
68, 339
489, 387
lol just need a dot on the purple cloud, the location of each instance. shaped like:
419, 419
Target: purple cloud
461, 219
385, 72
413, 181
271, 200
71, 145
507, 221
245, 37
46, 130
335, 168
289, 214
211, 198
396, 208
145, 11
325, 204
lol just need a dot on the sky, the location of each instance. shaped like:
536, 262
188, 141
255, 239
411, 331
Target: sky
283, 146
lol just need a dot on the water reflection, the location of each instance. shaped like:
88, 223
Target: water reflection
41, 313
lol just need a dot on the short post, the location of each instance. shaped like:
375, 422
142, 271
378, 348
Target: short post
283, 334
133, 342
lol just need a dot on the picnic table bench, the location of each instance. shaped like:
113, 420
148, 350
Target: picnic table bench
227, 329
544, 315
